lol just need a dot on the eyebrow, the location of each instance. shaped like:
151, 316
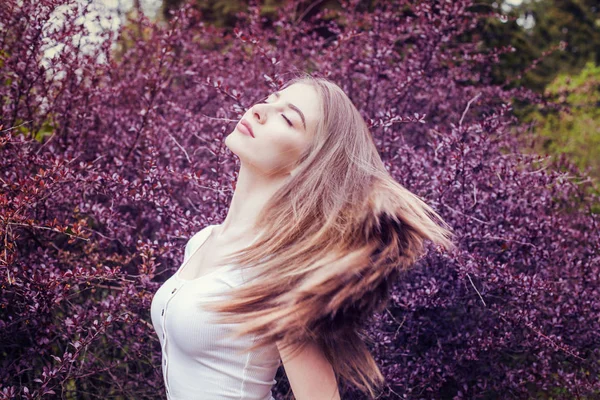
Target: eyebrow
293, 107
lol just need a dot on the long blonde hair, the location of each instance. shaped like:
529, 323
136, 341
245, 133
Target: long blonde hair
334, 238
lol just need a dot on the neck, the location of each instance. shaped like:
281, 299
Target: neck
252, 191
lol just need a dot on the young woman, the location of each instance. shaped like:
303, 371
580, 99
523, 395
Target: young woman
316, 232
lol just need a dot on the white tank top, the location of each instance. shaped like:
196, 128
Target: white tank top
198, 361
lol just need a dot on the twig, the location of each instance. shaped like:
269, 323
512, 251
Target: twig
181, 147
469, 216
395, 320
15, 127
50, 229
511, 240
472, 284
218, 119
310, 7
467, 108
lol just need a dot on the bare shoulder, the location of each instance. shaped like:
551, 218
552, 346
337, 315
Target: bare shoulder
195, 240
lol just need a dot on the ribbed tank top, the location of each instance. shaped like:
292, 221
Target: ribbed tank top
198, 361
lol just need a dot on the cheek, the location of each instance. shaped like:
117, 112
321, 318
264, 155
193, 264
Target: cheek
285, 148
289, 147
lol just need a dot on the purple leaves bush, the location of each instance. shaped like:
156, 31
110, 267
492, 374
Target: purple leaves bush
111, 158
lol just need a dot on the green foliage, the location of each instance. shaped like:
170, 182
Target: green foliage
222, 13
576, 130
46, 129
537, 27
574, 22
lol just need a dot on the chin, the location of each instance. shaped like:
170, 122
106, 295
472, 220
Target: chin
228, 143
236, 146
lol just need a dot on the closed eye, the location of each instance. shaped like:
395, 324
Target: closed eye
264, 101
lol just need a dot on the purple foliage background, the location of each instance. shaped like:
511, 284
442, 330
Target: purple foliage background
107, 168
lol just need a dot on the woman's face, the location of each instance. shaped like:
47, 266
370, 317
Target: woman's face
282, 127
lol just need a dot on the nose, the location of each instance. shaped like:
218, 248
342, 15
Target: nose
259, 113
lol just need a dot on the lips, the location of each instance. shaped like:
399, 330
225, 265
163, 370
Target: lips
245, 127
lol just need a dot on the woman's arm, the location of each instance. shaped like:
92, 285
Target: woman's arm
310, 374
